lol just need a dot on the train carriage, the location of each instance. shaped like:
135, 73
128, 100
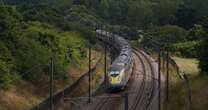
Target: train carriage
120, 70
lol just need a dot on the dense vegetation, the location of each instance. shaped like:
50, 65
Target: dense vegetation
203, 52
32, 31
29, 37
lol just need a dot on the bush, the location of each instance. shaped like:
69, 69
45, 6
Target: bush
30, 57
171, 34
202, 54
4, 75
187, 49
202, 49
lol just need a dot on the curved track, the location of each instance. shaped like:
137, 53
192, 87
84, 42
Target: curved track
149, 88
141, 88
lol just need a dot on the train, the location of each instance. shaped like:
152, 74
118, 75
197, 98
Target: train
119, 72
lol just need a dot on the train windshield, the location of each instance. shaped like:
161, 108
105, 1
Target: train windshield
114, 73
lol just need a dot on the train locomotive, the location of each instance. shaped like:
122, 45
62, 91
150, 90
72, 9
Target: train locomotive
120, 70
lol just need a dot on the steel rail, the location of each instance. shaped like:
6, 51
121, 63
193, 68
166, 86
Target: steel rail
103, 103
152, 81
141, 87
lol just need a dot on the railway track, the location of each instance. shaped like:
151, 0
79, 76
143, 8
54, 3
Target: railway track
143, 100
142, 89
103, 103
152, 85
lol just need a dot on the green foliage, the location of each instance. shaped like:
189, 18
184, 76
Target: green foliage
186, 16
58, 44
47, 15
30, 3
187, 49
164, 10
4, 75
169, 34
33, 31
136, 13
80, 14
104, 8
191, 12
202, 53
200, 6
28, 41
196, 33
140, 13
205, 27
202, 49
30, 54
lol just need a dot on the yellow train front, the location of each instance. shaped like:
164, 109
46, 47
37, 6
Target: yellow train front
119, 74
115, 78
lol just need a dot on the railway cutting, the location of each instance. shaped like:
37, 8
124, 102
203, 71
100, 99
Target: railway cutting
132, 82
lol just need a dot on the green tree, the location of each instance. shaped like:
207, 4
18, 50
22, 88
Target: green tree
200, 6
115, 11
170, 34
4, 77
202, 50
196, 33
30, 54
186, 16
164, 10
104, 8
123, 4
5, 66
202, 53
140, 13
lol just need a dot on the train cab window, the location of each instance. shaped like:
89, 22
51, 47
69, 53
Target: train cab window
114, 73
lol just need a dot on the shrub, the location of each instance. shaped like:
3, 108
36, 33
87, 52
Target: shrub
202, 54
171, 34
30, 57
4, 75
187, 49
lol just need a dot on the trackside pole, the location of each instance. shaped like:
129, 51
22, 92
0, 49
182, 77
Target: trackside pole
159, 80
51, 84
163, 61
89, 75
187, 83
167, 77
126, 101
105, 64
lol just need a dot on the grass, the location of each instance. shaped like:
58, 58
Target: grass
188, 65
18, 99
82, 89
198, 83
200, 92
24, 95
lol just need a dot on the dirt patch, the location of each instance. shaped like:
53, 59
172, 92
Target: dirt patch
25, 95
